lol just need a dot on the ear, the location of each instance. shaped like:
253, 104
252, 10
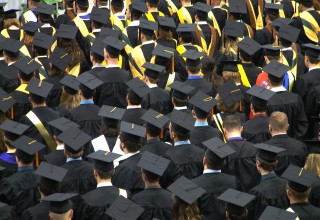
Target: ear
71, 214
194, 114
224, 131
241, 129
95, 173
270, 128
204, 161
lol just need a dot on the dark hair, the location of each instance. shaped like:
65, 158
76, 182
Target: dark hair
13, 56
87, 93
266, 165
104, 175
135, 14
96, 57
259, 108
25, 77
131, 142
298, 195
275, 81
39, 51
37, 99
179, 102
110, 127
152, 4
215, 165
48, 187
116, 8
202, 16
194, 69
200, 113
83, 7
134, 98
24, 157
307, 4
273, 17
246, 57
285, 43
152, 177
243, 216
152, 130
186, 37
55, 71
313, 60
232, 122
181, 136
207, 66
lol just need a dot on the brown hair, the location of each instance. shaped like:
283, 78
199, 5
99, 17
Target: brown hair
266, 165
69, 101
11, 21
164, 35
184, 211
228, 44
71, 47
28, 39
231, 76
55, 71
298, 195
278, 121
312, 163
223, 108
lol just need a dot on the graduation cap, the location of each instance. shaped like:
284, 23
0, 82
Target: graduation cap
67, 31
155, 118
273, 213
217, 150
39, 87
166, 22
279, 22
50, 174
60, 58
193, 57
12, 129
89, 80
153, 163
108, 32
111, 112
186, 190
260, 95
148, 27
27, 147
113, 45
31, 27
100, 15
183, 28
11, 45
313, 145
97, 47
270, 50
233, 29
6, 101
132, 129
74, 139
298, 178
181, 90
199, 6
272, 9
230, 65
181, 122
203, 101
60, 202
289, 33
236, 201
165, 53
11, 13
43, 40
238, 6
249, 46
312, 50
153, 70
45, 9
124, 209
268, 153
276, 69
71, 84
2, 4
63, 124
27, 65
138, 87
230, 93
139, 6
103, 160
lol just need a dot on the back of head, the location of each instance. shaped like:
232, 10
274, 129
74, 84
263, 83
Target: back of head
232, 123
278, 122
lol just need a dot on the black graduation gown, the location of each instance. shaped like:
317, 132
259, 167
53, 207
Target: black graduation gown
53, 99
113, 91
155, 15
200, 134
263, 36
132, 32
8, 213
185, 160
94, 204
252, 72
56, 157
203, 85
163, 7
14, 34
292, 105
39, 211
306, 211
128, 175
256, 130
47, 30
9, 78
134, 115
8, 161
191, 11
156, 146
157, 203
215, 184
79, 177
159, 100
305, 82
221, 17
271, 191
314, 196
167, 43
45, 63
295, 153
20, 190
61, 19
288, 8
22, 105
242, 164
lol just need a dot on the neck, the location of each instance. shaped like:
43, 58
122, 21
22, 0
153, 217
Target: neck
153, 9
150, 137
312, 65
278, 133
184, 4
275, 86
293, 200
201, 120
34, 105
112, 61
233, 134
154, 184
23, 82
263, 172
9, 150
243, 61
20, 164
258, 113
103, 180
83, 99
193, 74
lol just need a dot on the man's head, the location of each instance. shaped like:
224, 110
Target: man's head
278, 123
117, 6
311, 55
232, 125
81, 5
180, 125
152, 4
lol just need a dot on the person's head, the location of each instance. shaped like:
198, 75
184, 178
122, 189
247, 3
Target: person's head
149, 177
264, 166
212, 161
152, 4
193, 69
130, 143
99, 3
134, 14
312, 163
200, 15
82, 6
200, 114
182, 210
133, 98
8, 143
24, 77
10, 56
55, 71
275, 81
85, 92
102, 175
152, 131
221, 106
244, 56
70, 153
96, 58
232, 125
33, 3
36, 99
117, 6
231, 76
23, 158
47, 186
304, 5
278, 123
178, 133
177, 102
297, 196
71, 47
110, 54
110, 127
64, 216
39, 51
69, 100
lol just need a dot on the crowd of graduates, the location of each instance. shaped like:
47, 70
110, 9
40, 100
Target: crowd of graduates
160, 109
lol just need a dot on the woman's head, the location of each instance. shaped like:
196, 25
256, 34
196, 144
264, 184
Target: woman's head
68, 100
184, 211
312, 163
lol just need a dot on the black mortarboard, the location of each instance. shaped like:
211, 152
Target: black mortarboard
98, 46
45, 9
89, 80
238, 6
182, 28
11, 45
138, 87
181, 121
233, 29
111, 112
6, 101
139, 6
230, 65
71, 84
312, 50
60, 58
186, 190
12, 129
163, 51
153, 70
27, 145
27, 65
181, 90
59, 202
166, 22
62, 124
276, 69
313, 145
299, 179
2, 205
39, 87
203, 101
124, 209
153, 163
117, 3
260, 95
43, 40
11, 13
272, 9
113, 45
268, 153
108, 32
279, 22
270, 50
155, 118
236, 201
99, 15
289, 33
67, 31
249, 46
199, 6
133, 129
51, 172
103, 160
31, 27
74, 139
82, 2
193, 57
273, 213
230, 93
217, 149
148, 27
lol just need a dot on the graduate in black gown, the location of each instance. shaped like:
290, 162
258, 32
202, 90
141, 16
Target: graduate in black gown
44, 15
156, 201
166, 28
21, 189
8, 212
213, 181
272, 189
123, 208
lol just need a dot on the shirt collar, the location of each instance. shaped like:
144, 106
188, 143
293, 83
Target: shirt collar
148, 42
195, 77
310, 9
42, 56
178, 143
153, 86
217, 6
201, 22
83, 14
278, 89
126, 156
104, 184
201, 124
112, 66
96, 30
180, 108
73, 159
313, 68
45, 25
153, 140
86, 102
60, 147
133, 106
211, 171
259, 115
268, 176
134, 23
286, 49
98, 65
235, 138
25, 168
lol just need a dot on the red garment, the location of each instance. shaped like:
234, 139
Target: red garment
262, 80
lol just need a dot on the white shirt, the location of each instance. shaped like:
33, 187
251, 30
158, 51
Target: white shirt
180, 108
104, 184
313, 68
153, 86
60, 147
133, 106
278, 89
126, 156
97, 65
201, 22
96, 30
134, 23
148, 42
112, 65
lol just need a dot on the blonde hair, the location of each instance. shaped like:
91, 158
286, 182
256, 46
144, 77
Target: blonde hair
231, 76
11, 21
184, 211
69, 101
312, 163
228, 44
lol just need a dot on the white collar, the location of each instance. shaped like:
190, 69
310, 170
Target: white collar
126, 156
286, 49
310, 9
152, 86
60, 147
187, 44
133, 106
9, 64
217, 6
201, 22
313, 68
104, 184
1, 58
82, 14
45, 25
96, 30
119, 13
42, 56
134, 23
239, 21
113, 65
98, 65
278, 89
180, 108
104, 7
211, 171
148, 42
